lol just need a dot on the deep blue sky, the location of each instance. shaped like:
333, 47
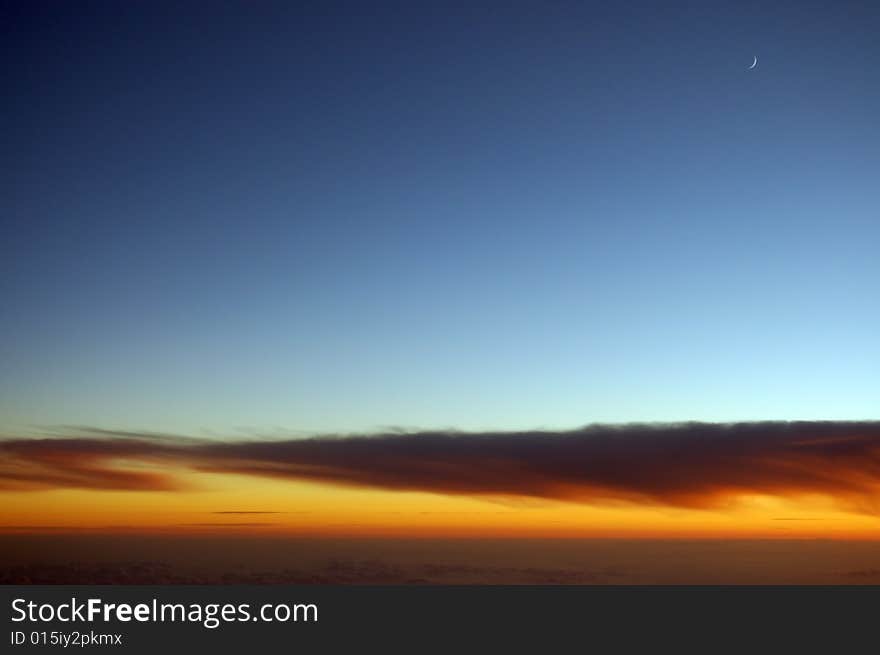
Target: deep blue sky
505, 216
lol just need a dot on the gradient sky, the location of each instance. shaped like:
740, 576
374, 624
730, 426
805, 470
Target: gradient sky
506, 216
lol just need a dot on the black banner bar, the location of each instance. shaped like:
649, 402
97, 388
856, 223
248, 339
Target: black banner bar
230, 619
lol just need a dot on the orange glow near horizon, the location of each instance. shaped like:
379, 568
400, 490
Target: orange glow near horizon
238, 504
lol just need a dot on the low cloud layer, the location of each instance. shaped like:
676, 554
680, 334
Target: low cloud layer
685, 465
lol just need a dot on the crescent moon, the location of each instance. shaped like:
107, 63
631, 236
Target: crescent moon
754, 63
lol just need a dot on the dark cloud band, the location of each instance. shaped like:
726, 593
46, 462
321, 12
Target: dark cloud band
686, 465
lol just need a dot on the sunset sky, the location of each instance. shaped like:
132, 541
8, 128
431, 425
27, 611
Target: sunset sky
362, 270
768, 480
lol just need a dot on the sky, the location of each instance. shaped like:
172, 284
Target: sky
457, 235
508, 216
